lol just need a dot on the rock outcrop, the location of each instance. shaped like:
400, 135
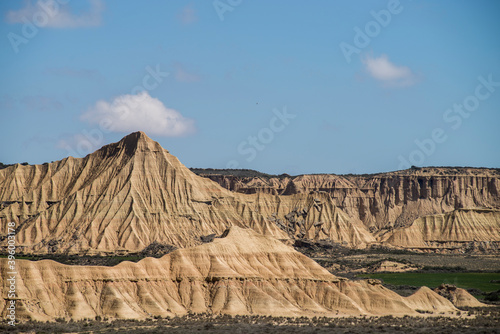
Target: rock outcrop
241, 273
386, 199
460, 230
399, 200
458, 296
131, 194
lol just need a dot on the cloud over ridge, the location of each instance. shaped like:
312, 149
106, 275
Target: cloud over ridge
141, 112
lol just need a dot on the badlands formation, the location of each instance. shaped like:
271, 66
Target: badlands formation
130, 194
234, 253
242, 272
444, 209
133, 193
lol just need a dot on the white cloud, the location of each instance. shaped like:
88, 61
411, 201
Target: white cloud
188, 15
382, 69
141, 112
50, 13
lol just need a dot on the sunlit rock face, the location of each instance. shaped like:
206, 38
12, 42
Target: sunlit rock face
241, 273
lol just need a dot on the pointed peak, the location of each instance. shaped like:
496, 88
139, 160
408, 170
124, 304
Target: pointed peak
136, 137
131, 144
139, 141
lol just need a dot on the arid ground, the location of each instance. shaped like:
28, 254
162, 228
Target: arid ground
471, 321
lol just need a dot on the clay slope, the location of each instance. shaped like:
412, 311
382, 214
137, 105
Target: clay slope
460, 229
386, 199
458, 296
130, 194
242, 273
399, 200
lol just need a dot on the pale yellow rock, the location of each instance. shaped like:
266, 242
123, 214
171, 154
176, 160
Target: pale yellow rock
242, 273
450, 230
462, 298
458, 296
129, 194
427, 300
386, 200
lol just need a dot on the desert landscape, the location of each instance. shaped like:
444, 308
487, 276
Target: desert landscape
129, 233
233, 166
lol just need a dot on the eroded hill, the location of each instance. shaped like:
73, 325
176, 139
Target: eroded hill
133, 194
241, 273
395, 206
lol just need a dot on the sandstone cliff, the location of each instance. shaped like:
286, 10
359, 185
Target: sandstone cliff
242, 273
385, 199
460, 229
397, 200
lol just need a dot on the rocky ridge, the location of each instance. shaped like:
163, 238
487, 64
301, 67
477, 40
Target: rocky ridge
133, 193
393, 204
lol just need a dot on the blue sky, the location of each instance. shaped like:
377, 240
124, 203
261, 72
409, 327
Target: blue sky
277, 86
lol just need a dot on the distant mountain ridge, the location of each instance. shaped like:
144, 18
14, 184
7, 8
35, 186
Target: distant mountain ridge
433, 170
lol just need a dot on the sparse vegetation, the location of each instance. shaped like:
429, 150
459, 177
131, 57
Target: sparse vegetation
235, 172
493, 296
350, 260
154, 250
2, 165
443, 269
472, 321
